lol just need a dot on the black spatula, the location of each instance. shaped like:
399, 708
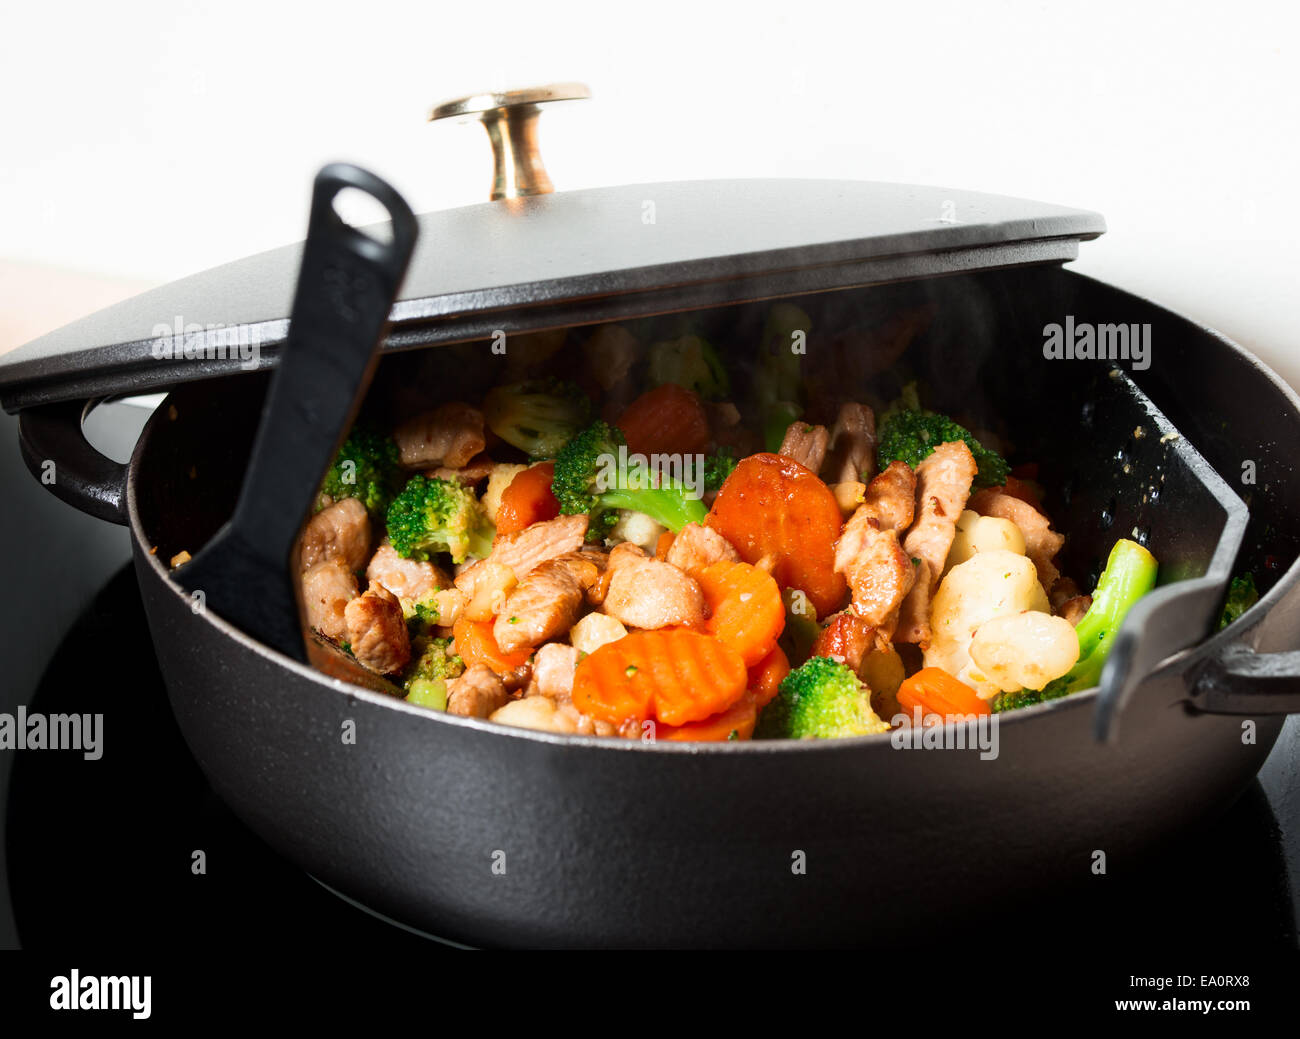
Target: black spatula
346, 287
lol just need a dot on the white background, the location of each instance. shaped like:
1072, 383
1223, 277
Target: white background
147, 140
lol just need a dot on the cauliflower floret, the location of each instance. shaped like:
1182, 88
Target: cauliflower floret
976, 533
1024, 651
637, 528
996, 583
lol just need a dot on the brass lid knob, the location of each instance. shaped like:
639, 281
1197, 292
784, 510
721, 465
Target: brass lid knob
510, 118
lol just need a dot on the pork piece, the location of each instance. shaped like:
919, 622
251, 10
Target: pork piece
553, 670
545, 604
805, 444
528, 548
1074, 608
625, 554
914, 615
341, 531
471, 474
879, 572
851, 454
406, 578
891, 497
1064, 589
697, 546
477, 693
450, 436
847, 638
377, 630
1041, 542
648, 593
943, 482
327, 588
611, 352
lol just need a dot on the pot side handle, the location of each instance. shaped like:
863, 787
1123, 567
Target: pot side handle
57, 453
1243, 681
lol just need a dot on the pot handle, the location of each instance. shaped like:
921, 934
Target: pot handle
57, 453
1241, 680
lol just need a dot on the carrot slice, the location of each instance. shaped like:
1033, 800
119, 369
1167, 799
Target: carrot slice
937, 692
738, 719
664, 543
771, 506
528, 499
666, 420
745, 608
766, 676
475, 644
674, 675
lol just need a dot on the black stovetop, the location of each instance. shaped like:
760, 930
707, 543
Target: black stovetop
99, 852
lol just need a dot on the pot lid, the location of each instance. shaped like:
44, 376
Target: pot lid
536, 260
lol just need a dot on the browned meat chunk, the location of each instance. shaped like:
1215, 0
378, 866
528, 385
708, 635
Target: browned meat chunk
1074, 608
340, 531
543, 606
406, 578
611, 351
377, 631
805, 444
472, 473
914, 615
526, 549
553, 669
891, 497
697, 546
476, 693
943, 482
847, 638
652, 594
450, 436
880, 576
327, 588
1041, 542
880, 573
852, 448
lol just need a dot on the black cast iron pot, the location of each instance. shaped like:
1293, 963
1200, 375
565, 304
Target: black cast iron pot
486, 834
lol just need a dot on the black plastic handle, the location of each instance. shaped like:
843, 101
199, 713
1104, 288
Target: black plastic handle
346, 288
57, 453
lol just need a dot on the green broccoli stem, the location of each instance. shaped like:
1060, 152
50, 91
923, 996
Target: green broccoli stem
667, 504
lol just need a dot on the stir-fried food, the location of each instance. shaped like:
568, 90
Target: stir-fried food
712, 559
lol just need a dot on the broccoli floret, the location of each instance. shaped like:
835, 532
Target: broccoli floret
911, 436
1242, 595
595, 474
539, 416
430, 661
717, 468
778, 379
822, 699
366, 468
432, 515
690, 362
1130, 573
